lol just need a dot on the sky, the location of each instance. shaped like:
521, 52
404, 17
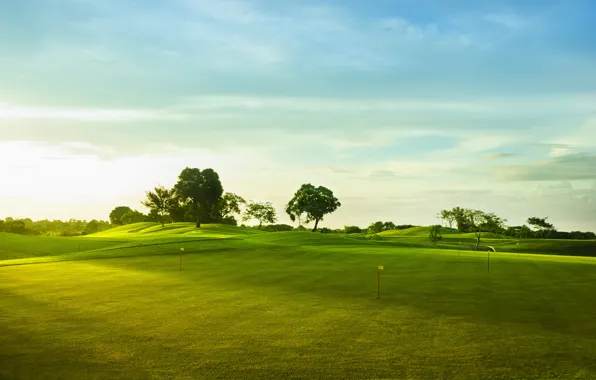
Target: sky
401, 107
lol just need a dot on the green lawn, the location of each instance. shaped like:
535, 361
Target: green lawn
295, 306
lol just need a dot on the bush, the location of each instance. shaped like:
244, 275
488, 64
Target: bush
373, 236
325, 230
276, 227
352, 230
435, 234
301, 228
229, 220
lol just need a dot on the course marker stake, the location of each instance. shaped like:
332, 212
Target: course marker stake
379, 269
181, 251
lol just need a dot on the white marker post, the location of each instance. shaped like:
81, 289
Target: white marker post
379, 269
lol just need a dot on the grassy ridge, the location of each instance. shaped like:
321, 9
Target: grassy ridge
453, 239
296, 305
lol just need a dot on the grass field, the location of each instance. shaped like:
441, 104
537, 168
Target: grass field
288, 305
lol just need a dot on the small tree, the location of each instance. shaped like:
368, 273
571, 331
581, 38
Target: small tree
261, 211
447, 216
159, 202
117, 213
479, 222
228, 206
375, 227
314, 202
91, 227
541, 225
435, 234
388, 226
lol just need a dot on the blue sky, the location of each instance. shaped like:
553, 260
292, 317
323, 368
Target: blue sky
403, 108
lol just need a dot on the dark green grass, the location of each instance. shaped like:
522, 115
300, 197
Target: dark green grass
13, 246
268, 307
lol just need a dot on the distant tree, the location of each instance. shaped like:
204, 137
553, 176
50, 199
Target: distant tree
91, 227
117, 213
461, 219
261, 211
479, 222
449, 216
202, 189
352, 230
435, 234
541, 225
313, 202
388, 226
375, 227
2, 225
524, 232
228, 206
159, 201
133, 216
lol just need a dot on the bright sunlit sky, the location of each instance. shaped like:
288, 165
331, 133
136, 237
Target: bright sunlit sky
401, 107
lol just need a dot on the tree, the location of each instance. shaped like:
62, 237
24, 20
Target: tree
314, 202
387, 226
228, 206
261, 211
375, 227
91, 227
447, 216
159, 202
133, 216
435, 234
202, 189
117, 213
479, 221
541, 225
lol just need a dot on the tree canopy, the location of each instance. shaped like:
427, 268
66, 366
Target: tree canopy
313, 202
203, 189
261, 211
117, 214
541, 225
159, 201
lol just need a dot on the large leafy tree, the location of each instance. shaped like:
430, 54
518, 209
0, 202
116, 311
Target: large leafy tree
159, 202
261, 211
201, 188
540, 225
313, 202
117, 214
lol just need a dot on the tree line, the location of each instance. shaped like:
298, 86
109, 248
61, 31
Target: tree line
72, 227
198, 196
479, 222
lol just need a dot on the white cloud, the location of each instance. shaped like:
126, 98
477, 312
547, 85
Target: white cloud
13, 112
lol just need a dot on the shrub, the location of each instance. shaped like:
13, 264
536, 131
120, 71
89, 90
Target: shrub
276, 227
352, 230
325, 230
435, 234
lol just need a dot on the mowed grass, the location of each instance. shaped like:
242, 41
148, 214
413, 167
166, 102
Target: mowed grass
13, 246
297, 305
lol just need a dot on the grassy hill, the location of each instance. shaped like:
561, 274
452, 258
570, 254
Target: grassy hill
251, 305
452, 239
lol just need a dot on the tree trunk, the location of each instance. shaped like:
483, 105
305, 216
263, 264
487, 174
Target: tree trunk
316, 224
196, 207
477, 240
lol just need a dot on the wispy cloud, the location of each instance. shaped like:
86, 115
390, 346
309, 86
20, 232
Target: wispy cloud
8, 112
